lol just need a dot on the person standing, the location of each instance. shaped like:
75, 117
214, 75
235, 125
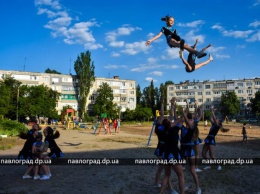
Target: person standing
244, 133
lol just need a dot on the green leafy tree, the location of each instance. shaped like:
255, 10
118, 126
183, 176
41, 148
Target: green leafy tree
9, 94
104, 101
229, 104
52, 71
255, 103
85, 73
149, 97
38, 100
138, 94
143, 113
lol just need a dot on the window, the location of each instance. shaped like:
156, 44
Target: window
230, 84
55, 80
249, 91
249, 84
217, 92
207, 86
199, 93
132, 92
132, 85
177, 87
208, 106
240, 98
257, 83
171, 88
207, 93
131, 99
208, 100
240, 84
200, 100
240, 91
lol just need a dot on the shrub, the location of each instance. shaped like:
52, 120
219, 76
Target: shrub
12, 128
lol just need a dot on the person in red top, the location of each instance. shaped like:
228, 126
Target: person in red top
115, 125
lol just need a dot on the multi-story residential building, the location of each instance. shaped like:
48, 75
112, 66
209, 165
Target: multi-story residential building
124, 91
208, 93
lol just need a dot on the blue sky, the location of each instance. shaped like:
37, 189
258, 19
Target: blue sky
41, 34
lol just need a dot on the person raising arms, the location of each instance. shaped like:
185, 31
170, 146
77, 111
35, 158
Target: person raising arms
173, 40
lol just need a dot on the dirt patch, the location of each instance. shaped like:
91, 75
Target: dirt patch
132, 179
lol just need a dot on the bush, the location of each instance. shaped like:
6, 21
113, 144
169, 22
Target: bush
12, 128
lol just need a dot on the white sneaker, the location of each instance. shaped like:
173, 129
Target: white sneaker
197, 170
207, 168
158, 185
174, 192
198, 191
27, 177
219, 168
210, 57
36, 177
44, 177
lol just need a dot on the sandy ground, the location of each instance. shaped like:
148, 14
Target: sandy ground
131, 142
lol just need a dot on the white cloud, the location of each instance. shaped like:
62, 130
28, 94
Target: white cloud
156, 73
218, 27
146, 67
53, 3
114, 66
193, 24
151, 60
257, 2
60, 24
221, 56
255, 24
149, 79
135, 48
255, 37
190, 38
112, 36
115, 54
233, 33
237, 33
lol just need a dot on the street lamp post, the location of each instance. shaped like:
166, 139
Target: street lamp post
17, 101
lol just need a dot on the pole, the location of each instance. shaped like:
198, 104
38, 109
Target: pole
17, 101
151, 133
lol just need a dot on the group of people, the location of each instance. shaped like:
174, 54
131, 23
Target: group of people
175, 41
184, 130
106, 123
35, 148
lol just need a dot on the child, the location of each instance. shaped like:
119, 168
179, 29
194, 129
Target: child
173, 40
210, 139
38, 149
190, 63
244, 133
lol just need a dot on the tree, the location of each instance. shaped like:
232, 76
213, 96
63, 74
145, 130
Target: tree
85, 73
104, 101
229, 104
37, 100
255, 103
138, 94
149, 97
52, 71
9, 97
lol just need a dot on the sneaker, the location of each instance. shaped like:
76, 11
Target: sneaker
180, 53
174, 192
27, 177
44, 177
201, 54
36, 177
197, 170
50, 175
219, 168
207, 168
182, 44
158, 185
210, 57
198, 191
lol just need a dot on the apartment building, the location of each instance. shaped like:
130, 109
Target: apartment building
208, 93
124, 91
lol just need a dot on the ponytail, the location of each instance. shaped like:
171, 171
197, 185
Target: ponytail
166, 18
